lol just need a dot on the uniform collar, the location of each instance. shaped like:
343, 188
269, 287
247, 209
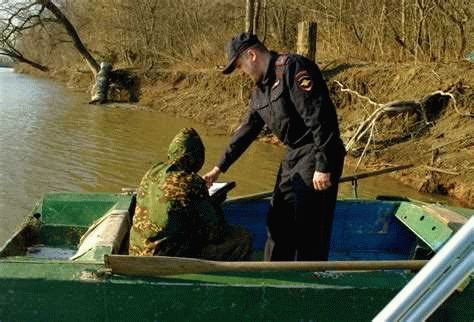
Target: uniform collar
269, 70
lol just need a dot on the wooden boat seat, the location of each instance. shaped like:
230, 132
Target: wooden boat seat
105, 236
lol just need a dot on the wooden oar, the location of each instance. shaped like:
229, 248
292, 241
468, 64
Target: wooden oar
163, 265
362, 175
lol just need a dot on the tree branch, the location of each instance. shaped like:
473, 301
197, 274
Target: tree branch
19, 57
94, 66
397, 106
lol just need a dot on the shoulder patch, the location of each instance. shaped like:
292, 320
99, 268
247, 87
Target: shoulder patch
304, 81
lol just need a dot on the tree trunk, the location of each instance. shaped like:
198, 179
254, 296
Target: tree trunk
462, 36
264, 23
256, 15
402, 26
249, 15
93, 65
306, 42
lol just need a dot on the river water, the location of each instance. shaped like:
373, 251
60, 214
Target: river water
52, 140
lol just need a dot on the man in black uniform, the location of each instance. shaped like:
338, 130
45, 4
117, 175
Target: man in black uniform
292, 99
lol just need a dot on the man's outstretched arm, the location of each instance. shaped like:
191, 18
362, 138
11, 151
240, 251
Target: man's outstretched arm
241, 140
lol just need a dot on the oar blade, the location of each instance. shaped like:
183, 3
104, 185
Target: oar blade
157, 265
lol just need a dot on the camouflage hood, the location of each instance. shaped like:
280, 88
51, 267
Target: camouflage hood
186, 151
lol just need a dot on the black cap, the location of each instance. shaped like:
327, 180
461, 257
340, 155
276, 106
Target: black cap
237, 46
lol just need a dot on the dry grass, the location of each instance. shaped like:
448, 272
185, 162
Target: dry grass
150, 34
221, 102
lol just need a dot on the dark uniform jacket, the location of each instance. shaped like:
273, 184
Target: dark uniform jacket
293, 101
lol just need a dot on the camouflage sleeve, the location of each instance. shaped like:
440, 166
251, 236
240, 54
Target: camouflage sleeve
211, 215
213, 219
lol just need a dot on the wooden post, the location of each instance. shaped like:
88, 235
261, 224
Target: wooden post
256, 16
306, 42
249, 16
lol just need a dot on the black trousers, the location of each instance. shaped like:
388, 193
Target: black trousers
300, 219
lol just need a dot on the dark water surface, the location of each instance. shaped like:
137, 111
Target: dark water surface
52, 140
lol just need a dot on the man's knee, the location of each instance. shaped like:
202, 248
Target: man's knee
236, 246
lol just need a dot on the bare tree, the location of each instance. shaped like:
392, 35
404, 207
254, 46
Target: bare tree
148, 35
71, 31
17, 19
34, 16
459, 14
29, 16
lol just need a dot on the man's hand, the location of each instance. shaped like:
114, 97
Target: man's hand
212, 176
321, 180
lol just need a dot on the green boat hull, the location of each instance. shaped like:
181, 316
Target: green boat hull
39, 289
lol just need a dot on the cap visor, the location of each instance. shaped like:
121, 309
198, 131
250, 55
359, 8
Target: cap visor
229, 68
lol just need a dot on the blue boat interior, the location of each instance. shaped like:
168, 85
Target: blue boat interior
362, 229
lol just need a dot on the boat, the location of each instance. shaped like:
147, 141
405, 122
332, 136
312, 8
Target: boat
59, 265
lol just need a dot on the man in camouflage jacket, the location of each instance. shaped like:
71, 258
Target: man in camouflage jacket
175, 216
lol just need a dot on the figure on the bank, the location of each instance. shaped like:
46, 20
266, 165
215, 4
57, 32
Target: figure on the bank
292, 99
175, 216
110, 83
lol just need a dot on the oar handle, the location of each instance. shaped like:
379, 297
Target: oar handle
163, 265
363, 175
321, 266
374, 173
